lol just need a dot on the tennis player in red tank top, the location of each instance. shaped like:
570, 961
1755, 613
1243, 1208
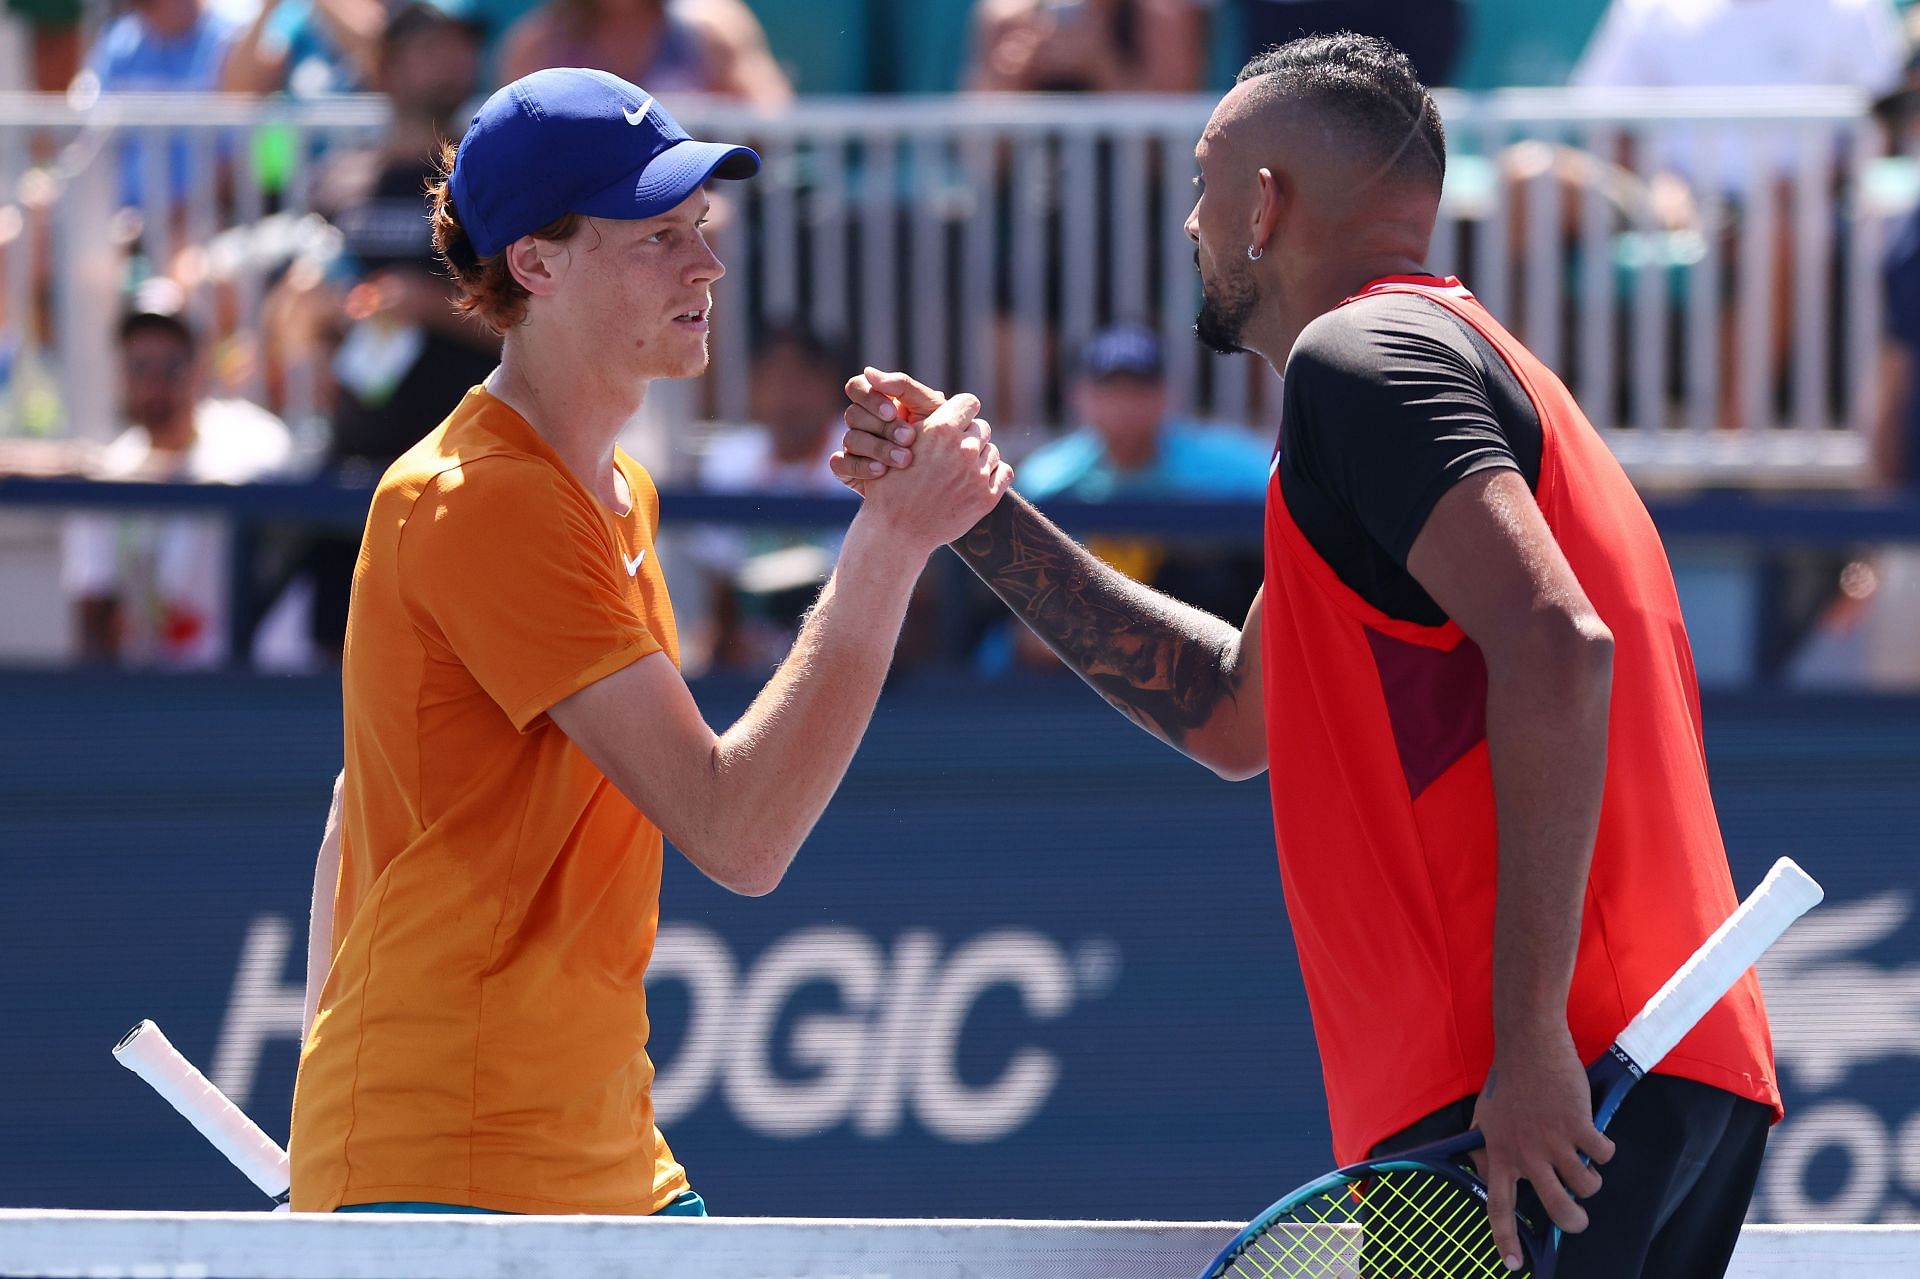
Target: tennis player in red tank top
1467, 669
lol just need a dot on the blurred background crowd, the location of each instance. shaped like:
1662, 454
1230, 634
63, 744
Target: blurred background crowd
1703, 218
220, 319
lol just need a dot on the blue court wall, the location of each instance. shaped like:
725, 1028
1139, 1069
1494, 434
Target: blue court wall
1031, 963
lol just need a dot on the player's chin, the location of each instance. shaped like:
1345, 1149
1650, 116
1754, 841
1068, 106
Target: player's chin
691, 360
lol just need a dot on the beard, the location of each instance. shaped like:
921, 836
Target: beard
1225, 306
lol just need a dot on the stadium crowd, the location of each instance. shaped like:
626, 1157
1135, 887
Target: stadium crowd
356, 351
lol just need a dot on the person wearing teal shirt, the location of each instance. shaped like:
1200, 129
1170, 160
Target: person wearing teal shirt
1130, 447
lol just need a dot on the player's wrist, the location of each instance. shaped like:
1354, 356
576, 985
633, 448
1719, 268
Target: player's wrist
888, 541
1530, 1036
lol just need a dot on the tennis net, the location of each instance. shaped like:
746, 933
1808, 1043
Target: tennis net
40, 1244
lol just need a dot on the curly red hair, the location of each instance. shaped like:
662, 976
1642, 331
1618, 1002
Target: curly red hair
487, 287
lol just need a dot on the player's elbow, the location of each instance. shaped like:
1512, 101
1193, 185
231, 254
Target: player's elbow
1587, 649
751, 868
758, 880
1233, 746
1241, 765
1569, 650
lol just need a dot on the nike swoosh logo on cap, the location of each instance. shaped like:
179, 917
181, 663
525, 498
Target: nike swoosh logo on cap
636, 115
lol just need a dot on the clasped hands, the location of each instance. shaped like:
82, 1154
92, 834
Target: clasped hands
893, 421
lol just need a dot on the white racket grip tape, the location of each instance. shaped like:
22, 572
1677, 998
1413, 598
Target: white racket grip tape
147, 1053
1783, 896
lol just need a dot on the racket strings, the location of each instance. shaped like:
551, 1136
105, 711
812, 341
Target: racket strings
1396, 1225
1429, 1227
1316, 1239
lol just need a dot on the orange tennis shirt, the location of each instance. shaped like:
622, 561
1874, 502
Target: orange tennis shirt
482, 1032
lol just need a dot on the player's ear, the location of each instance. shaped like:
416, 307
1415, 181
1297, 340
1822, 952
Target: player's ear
1269, 209
533, 264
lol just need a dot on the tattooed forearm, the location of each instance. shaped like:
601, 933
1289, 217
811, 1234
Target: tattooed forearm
1165, 665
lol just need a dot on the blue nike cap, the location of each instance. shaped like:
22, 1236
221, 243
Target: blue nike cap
569, 140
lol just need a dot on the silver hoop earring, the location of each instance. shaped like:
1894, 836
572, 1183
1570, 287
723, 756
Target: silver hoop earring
1254, 255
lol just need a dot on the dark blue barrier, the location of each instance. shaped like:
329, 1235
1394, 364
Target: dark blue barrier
1030, 964
1753, 518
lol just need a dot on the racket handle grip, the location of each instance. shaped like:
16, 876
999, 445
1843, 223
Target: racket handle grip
148, 1053
1782, 897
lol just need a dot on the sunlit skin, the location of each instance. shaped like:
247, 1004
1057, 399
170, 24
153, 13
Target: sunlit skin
431, 73
159, 383
169, 19
638, 294
1128, 412
1292, 218
797, 399
1279, 184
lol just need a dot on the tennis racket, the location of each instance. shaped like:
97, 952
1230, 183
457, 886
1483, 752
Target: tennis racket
148, 1053
1422, 1214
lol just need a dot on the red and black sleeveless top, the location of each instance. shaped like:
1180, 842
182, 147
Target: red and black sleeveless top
1384, 807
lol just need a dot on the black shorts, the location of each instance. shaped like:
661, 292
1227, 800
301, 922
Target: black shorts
1675, 1193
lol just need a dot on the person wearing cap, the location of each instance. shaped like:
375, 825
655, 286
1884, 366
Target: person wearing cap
1130, 445
152, 591
518, 736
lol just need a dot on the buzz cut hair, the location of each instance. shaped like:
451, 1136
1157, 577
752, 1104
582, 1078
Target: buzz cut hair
1369, 90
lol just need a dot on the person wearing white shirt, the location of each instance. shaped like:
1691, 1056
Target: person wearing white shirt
1740, 44
758, 581
1756, 43
152, 591
1701, 180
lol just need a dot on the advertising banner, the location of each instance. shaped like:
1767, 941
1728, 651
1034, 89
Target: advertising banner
1032, 963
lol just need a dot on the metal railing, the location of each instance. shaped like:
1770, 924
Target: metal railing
1761, 524
978, 241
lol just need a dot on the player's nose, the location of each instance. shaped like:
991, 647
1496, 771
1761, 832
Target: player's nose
1193, 224
706, 266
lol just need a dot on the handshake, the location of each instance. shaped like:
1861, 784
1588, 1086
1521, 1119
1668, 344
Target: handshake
952, 475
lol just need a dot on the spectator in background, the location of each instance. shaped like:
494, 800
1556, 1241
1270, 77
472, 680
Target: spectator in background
299, 258
407, 355
1088, 46
159, 46
1870, 611
1867, 614
1131, 446
1896, 440
1646, 44
1429, 32
307, 48
404, 356
1074, 46
664, 46
760, 582
153, 591
53, 28
1653, 44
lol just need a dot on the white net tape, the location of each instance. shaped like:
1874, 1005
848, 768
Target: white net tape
108, 1245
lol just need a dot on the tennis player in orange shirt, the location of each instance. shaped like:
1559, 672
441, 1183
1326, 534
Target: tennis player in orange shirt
518, 735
